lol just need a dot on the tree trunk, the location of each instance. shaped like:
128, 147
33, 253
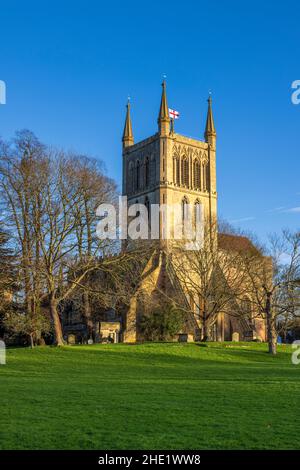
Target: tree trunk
87, 314
59, 340
204, 328
271, 333
37, 289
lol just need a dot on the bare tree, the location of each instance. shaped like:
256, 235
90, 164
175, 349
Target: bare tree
212, 278
21, 167
275, 284
94, 188
48, 199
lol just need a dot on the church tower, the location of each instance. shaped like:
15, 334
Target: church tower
170, 168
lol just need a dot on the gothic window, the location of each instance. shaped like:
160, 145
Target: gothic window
177, 170
153, 170
131, 177
147, 172
197, 172
197, 211
138, 174
204, 174
147, 205
184, 208
185, 171
174, 169
207, 178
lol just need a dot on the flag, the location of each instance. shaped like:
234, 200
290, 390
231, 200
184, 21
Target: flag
173, 114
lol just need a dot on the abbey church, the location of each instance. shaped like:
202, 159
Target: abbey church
171, 169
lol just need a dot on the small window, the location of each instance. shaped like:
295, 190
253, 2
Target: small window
147, 172
184, 208
138, 175
177, 171
197, 178
147, 205
185, 171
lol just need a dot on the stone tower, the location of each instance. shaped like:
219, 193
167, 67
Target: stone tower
169, 168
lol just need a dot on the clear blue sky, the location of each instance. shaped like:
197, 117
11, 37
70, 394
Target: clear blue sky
69, 67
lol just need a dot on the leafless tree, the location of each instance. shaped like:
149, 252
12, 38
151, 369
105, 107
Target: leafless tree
48, 202
211, 278
21, 167
274, 285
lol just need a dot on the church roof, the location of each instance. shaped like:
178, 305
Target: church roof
236, 243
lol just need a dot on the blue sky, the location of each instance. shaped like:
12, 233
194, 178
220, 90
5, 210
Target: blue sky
69, 67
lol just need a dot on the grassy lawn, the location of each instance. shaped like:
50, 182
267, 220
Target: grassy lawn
150, 396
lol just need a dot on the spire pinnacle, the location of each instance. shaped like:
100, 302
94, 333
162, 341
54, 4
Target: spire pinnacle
127, 134
210, 131
163, 117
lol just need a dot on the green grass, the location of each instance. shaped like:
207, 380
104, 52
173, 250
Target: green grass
150, 396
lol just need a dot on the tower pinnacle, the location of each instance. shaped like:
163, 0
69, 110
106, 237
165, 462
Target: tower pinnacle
127, 134
163, 117
210, 131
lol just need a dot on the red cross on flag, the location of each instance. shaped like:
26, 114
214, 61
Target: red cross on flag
173, 114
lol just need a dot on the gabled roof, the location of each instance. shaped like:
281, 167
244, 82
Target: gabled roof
236, 243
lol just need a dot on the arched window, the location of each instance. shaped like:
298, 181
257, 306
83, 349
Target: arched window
185, 171
207, 176
147, 172
204, 175
138, 173
176, 178
198, 222
147, 205
197, 211
177, 163
197, 172
184, 209
153, 170
131, 177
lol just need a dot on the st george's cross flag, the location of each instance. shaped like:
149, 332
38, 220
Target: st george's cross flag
173, 114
